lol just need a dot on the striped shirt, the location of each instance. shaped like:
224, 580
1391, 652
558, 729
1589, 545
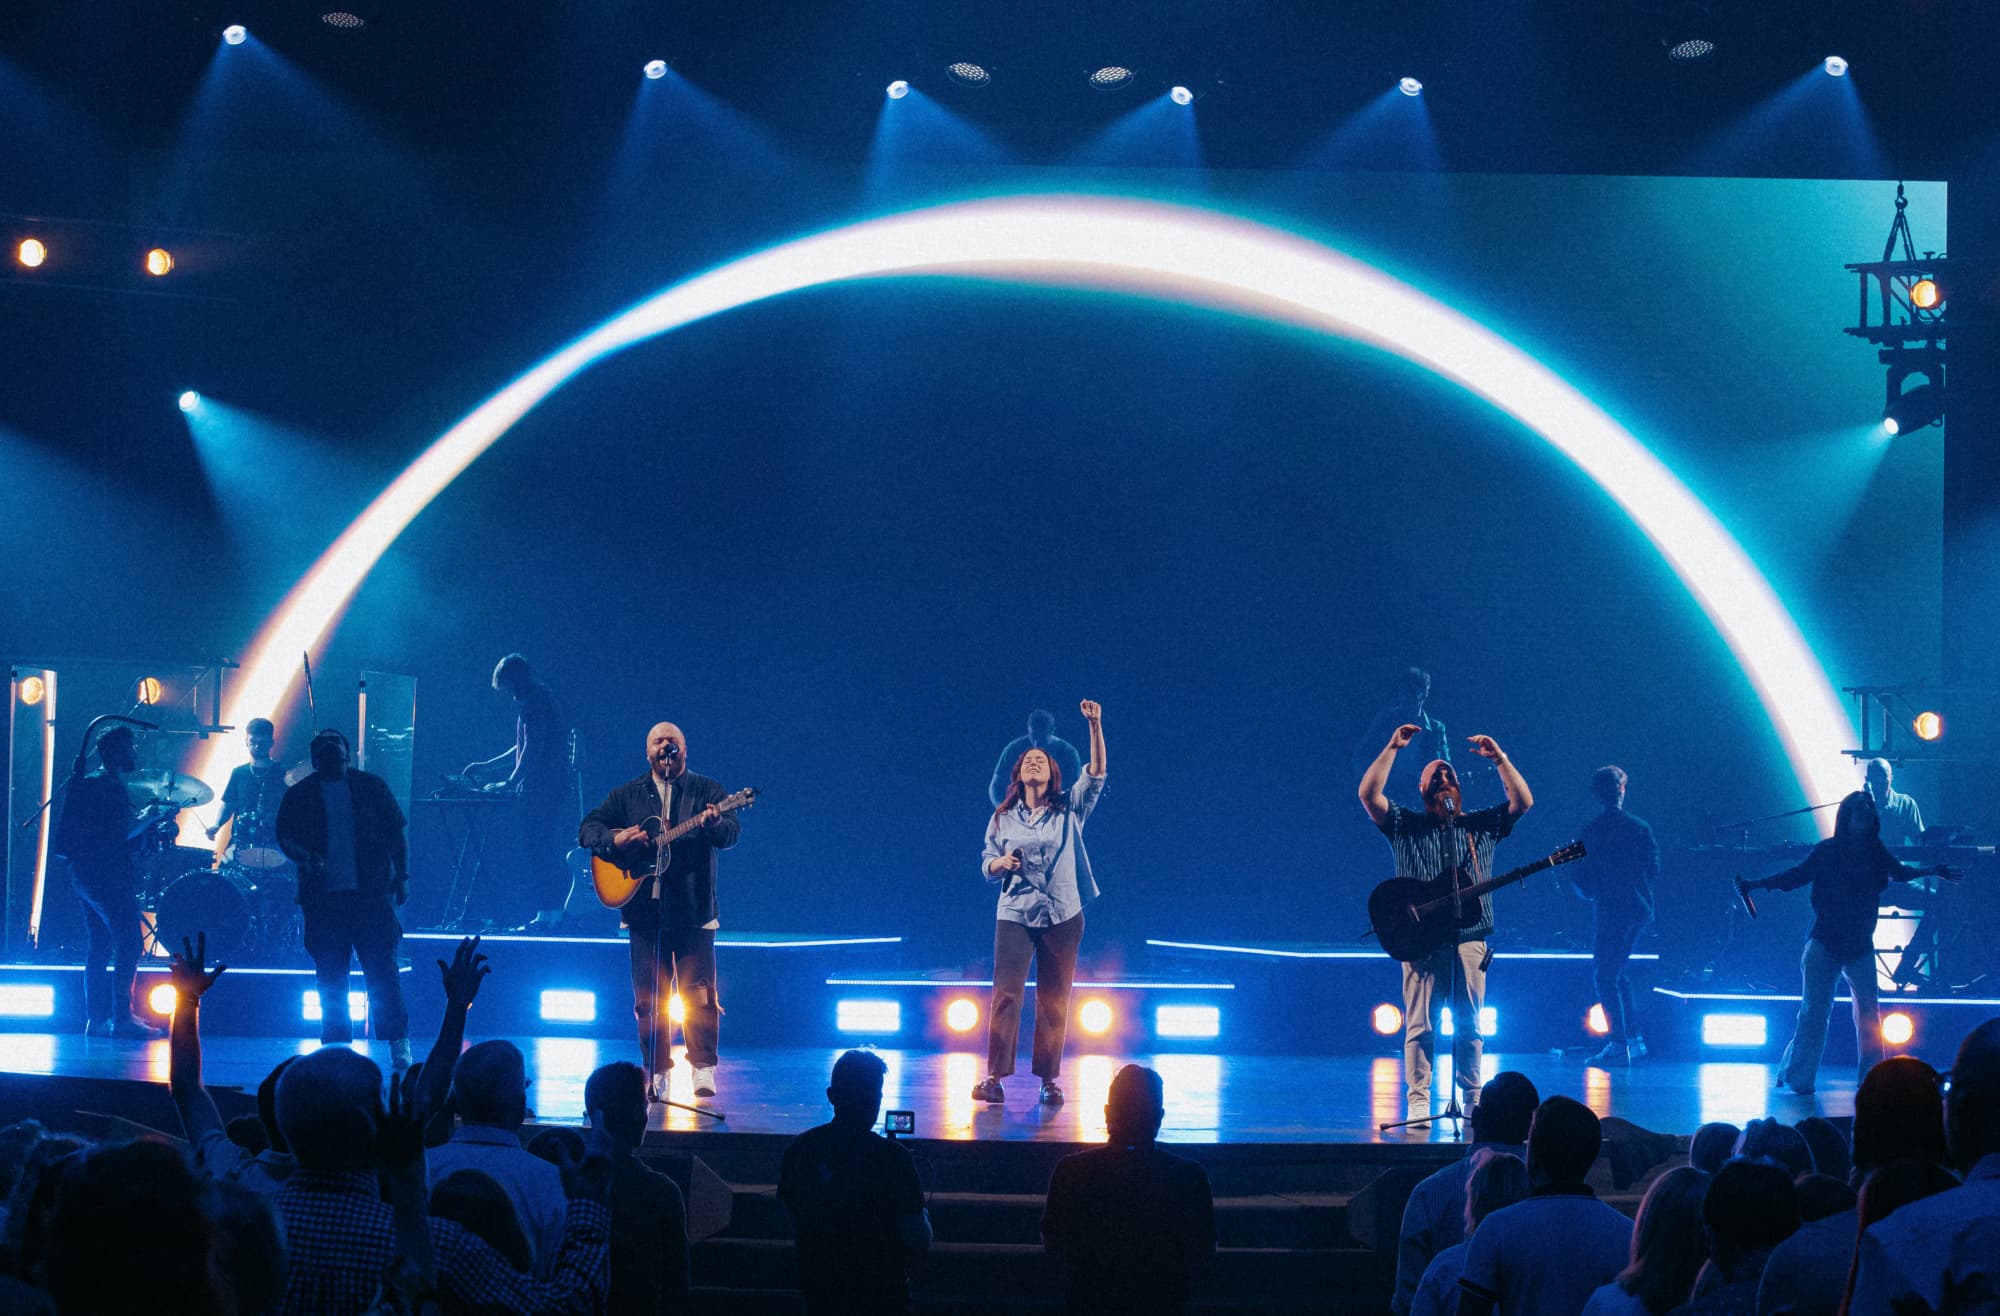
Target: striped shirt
1425, 848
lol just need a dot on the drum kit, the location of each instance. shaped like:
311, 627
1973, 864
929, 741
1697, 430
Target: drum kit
241, 894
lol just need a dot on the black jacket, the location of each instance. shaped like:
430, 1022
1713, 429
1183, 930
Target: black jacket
381, 853
687, 894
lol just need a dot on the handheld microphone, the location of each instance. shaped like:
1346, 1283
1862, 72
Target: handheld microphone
1019, 876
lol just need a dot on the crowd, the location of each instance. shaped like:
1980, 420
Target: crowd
344, 1195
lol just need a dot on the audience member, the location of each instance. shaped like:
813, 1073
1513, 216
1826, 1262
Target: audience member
33, 1201
1668, 1248
475, 1199
649, 1243
218, 1155
1943, 1253
249, 1249
1498, 1179
1548, 1254
556, 1145
490, 1092
247, 1133
1830, 1153
144, 1198
856, 1206
1711, 1145
1133, 1225
1894, 1185
1821, 1196
1750, 1207
1776, 1143
343, 1236
1434, 1217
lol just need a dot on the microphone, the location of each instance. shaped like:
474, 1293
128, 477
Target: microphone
672, 750
1020, 876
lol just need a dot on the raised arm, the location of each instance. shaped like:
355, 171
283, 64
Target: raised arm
1093, 713
468, 968
1519, 798
1374, 790
199, 1116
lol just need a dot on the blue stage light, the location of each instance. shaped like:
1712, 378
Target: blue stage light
190, 400
868, 1016
1187, 1021
27, 1000
898, 89
1181, 96
235, 34
1835, 66
967, 74
656, 69
357, 1006
569, 1007
1489, 1021
1692, 48
1734, 1030
1111, 77
1410, 87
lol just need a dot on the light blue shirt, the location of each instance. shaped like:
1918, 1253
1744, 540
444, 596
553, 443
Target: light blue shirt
1437, 1291
1938, 1254
533, 1184
1055, 881
1434, 1219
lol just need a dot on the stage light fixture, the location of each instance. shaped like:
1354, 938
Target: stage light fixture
656, 69
962, 1015
1691, 49
162, 999
1111, 77
1835, 66
1913, 410
27, 1000
235, 34
1181, 96
31, 253
677, 1011
343, 19
1734, 1030
1187, 1021
1095, 1017
147, 690
357, 1006
868, 1016
1925, 295
1898, 1028
1928, 725
898, 89
1595, 1023
33, 688
190, 400
159, 262
969, 75
1410, 87
569, 1007
1386, 1019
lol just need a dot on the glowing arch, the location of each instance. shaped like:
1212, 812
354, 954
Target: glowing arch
1170, 253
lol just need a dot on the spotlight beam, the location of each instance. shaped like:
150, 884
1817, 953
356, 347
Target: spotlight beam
1165, 253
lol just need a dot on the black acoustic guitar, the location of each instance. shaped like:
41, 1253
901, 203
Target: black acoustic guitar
1411, 916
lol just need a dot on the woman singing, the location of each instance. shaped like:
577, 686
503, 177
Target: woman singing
1848, 875
1034, 850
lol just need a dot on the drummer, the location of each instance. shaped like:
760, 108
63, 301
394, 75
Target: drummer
253, 792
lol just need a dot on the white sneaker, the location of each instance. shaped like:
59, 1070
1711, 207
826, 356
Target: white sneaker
704, 1080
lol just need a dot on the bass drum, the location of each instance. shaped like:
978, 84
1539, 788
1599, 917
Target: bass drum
204, 903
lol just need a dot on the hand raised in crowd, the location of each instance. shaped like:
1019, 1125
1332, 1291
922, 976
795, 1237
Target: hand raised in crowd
185, 971
399, 1134
1484, 746
1401, 737
463, 975
1093, 712
586, 1178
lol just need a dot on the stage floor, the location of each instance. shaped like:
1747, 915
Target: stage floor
1210, 1097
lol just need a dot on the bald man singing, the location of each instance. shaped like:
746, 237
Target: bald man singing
672, 920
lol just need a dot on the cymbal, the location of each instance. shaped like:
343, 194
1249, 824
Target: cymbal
157, 785
297, 773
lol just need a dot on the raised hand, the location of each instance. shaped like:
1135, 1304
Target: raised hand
185, 972
1484, 746
462, 976
1401, 737
1949, 872
1093, 712
399, 1133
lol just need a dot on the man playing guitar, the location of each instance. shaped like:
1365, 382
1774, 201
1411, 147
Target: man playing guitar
1426, 845
673, 917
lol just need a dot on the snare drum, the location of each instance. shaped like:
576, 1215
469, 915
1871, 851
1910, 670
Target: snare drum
252, 845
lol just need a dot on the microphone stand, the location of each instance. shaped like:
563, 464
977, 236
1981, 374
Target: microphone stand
659, 1006
1452, 1110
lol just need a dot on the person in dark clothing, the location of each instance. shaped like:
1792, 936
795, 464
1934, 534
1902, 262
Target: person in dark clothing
1132, 1225
100, 832
672, 920
1750, 1207
344, 830
1848, 873
254, 790
649, 1242
856, 1206
540, 781
1624, 859
1041, 735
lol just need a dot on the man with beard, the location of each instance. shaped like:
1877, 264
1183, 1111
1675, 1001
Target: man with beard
1427, 844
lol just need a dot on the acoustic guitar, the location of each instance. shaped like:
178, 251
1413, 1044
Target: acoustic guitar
616, 885
1412, 917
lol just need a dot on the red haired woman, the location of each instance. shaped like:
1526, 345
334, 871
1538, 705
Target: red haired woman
1034, 851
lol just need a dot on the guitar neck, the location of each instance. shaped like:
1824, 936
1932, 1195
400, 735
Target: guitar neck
1491, 884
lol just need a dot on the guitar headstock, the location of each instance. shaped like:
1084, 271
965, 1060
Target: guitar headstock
1567, 854
742, 799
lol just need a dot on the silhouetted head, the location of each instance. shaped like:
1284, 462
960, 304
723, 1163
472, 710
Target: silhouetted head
855, 1091
1137, 1104
1563, 1141
330, 753
614, 1099
475, 1200
328, 1105
1506, 1109
1416, 685
490, 1085
117, 750
1499, 1179
1608, 785
1856, 822
1881, 777
1830, 1152
1437, 784
1898, 1116
1777, 1143
1822, 1195
130, 1226
1750, 1208
1711, 1145
1972, 1107
1041, 725
512, 675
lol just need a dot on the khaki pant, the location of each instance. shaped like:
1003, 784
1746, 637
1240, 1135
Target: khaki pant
1820, 971
1424, 983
